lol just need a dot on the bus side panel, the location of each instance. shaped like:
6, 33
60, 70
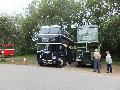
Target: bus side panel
9, 52
0, 51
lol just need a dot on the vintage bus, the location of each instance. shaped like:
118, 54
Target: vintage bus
87, 42
7, 49
55, 46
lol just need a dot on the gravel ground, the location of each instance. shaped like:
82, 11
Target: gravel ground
23, 77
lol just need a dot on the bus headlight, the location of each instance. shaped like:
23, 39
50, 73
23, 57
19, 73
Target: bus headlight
59, 59
53, 39
40, 56
54, 57
79, 56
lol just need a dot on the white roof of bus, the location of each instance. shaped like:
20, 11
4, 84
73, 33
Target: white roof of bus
45, 27
50, 26
89, 26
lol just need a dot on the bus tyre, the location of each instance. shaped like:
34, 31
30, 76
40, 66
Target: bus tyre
60, 64
40, 63
78, 64
64, 63
69, 62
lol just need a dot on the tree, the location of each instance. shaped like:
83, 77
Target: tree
47, 12
7, 29
105, 14
50, 12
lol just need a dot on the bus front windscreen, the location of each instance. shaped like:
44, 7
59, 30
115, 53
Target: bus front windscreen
87, 33
48, 47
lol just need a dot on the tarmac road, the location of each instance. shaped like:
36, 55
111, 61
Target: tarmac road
23, 77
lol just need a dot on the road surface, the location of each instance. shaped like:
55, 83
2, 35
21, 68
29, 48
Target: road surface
23, 77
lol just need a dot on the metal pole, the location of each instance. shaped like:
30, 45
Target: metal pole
2, 59
86, 45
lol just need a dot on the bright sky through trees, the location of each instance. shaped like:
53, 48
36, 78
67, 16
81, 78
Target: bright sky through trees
13, 6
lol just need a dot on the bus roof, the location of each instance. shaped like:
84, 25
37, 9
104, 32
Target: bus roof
52, 26
54, 30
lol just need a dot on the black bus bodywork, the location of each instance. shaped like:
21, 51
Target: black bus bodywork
55, 46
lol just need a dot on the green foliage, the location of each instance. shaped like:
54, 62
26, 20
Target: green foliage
104, 13
22, 29
7, 30
47, 12
59, 12
111, 32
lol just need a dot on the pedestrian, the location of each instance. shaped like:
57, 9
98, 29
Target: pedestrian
109, 62
97, 58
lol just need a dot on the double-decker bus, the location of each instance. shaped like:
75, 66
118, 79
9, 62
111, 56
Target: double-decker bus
54, 46
87, 42
7, 49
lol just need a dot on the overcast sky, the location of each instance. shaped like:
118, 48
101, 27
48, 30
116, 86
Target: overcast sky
11, 6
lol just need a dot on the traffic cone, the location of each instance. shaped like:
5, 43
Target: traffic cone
13, 62
24, 61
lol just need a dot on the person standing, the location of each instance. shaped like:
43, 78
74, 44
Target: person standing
109, 62
97, 58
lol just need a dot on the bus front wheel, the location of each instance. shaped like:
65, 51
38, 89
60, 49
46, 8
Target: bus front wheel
60, 64
40, 63
78, 64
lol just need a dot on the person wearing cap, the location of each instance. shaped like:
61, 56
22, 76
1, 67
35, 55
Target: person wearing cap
97, 58
109, 62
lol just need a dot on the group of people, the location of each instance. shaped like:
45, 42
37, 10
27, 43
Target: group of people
97, 65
